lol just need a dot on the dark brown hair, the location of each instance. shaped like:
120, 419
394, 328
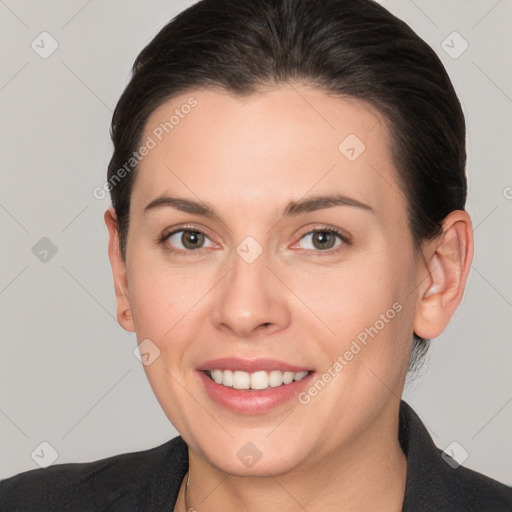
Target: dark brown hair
352, 48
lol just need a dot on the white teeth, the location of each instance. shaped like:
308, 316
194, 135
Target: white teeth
288, 377
275, 378
217, 376
241, 380
258, 380
227, 378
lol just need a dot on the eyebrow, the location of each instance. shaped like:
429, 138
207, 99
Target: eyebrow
293, 208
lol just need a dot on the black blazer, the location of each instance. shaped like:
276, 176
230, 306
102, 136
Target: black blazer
149, 481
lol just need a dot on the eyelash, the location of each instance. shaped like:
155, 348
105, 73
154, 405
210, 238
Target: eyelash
198, 252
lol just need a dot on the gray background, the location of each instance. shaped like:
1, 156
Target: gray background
68, 375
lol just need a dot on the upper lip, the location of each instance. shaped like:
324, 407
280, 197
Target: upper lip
250, 365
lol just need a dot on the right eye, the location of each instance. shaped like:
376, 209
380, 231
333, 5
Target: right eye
185, 240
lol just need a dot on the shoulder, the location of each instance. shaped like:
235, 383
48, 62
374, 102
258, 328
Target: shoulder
129, 481
435, 481
473, 490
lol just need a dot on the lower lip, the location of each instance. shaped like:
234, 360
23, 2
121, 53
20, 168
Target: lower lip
253, 401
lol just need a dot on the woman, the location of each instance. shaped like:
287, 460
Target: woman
287, 233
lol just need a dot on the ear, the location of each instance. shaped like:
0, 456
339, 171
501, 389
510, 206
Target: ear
448, 260
124, 315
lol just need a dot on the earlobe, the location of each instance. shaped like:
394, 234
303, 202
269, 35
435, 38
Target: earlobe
118, 272
446, 273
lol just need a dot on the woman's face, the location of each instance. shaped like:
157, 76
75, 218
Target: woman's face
262, 281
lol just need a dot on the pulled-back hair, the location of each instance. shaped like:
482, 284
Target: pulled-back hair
353, 48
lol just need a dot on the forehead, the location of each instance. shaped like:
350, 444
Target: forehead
266, 148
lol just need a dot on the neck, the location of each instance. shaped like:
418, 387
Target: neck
369, 475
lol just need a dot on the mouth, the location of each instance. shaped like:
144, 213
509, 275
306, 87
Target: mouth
252, 387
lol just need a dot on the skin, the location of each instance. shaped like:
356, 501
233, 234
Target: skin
248, 158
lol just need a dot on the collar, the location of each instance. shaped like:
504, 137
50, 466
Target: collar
432, 484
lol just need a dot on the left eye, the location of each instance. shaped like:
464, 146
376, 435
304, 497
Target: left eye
322, 239
189, 239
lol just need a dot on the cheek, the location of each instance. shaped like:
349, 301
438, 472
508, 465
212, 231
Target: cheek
346, 297
360, 309
164, 299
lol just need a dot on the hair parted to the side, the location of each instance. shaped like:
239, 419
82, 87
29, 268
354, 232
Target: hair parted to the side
353, 48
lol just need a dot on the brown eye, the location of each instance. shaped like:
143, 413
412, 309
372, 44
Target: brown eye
322, 240
187, 239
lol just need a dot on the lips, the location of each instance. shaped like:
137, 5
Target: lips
251, 366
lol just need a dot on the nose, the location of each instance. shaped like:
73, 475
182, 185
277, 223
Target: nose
250, 300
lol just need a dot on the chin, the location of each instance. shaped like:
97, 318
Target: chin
247, 461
